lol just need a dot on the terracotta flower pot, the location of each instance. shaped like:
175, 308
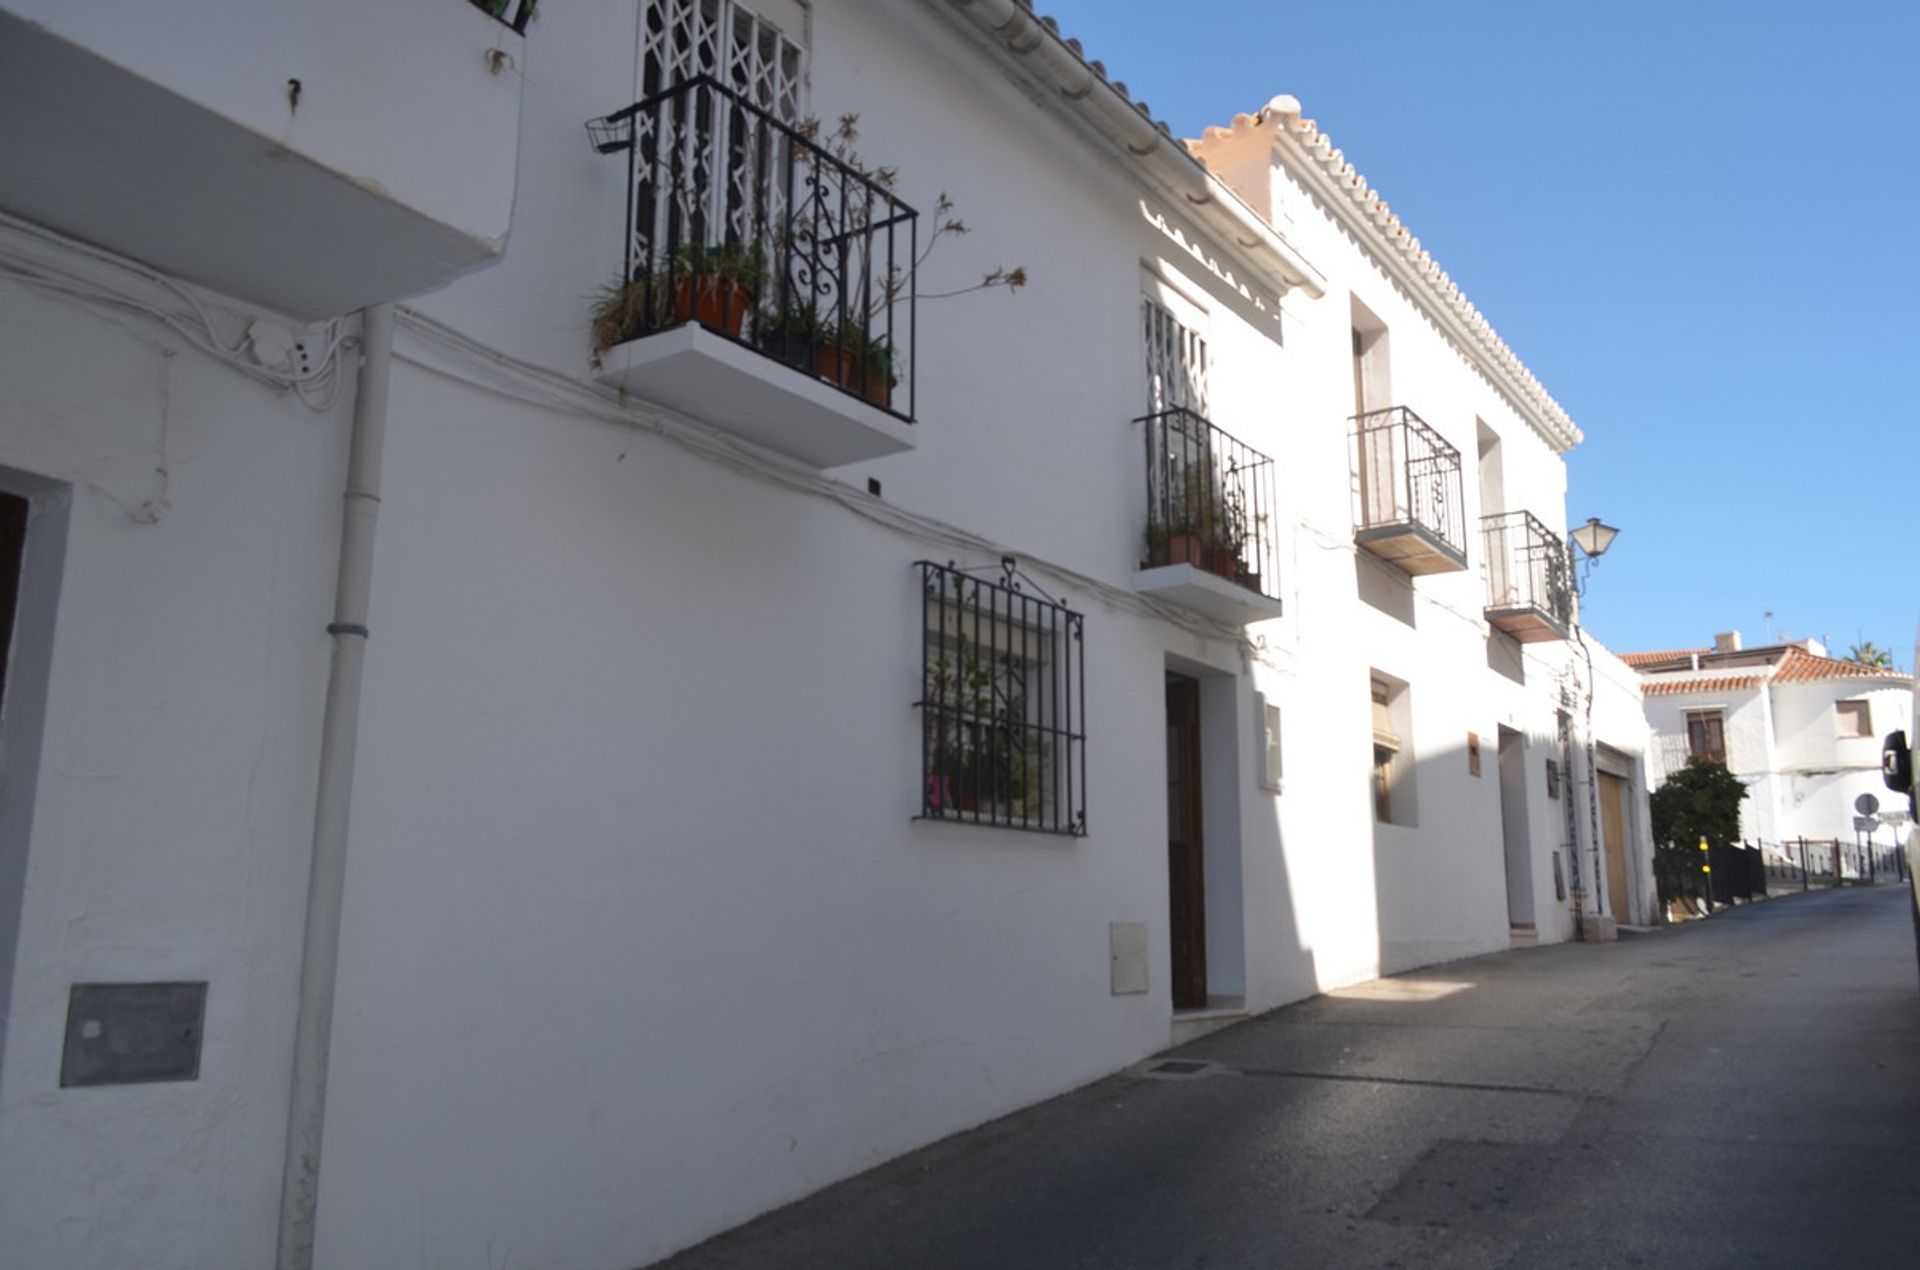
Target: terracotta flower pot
846, 367
1185, 549
721, 303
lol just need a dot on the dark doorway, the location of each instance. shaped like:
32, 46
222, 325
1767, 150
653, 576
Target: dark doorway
1186, 869
13, 544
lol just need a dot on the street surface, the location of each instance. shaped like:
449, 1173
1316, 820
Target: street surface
1743, 1092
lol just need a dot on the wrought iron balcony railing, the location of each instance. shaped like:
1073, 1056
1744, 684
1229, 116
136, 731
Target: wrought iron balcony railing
1409, 507
1210, 502
511, 13
745, 224
1529, 578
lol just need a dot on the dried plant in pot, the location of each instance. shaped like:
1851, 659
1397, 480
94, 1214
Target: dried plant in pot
716, 286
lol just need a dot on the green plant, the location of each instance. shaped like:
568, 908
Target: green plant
1702, 800
1201, 506
735, 262
625, 310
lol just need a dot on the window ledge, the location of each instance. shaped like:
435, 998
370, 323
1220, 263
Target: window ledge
754, 397
1192, 587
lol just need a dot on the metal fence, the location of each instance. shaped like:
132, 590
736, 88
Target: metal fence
766, 233
1409, 474
1210, 502
510, 13
1527, 566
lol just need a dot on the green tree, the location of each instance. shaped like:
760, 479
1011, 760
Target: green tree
1868, 653
1702, 800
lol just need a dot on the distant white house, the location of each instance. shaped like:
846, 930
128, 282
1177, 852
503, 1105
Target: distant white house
1801, 728
614, 795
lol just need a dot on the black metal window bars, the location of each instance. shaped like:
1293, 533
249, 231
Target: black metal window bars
1527, 566
1002, 704
750, 227
514, 14
1210, 501
1407, 474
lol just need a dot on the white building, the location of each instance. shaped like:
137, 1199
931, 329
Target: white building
695, 859
1802, 729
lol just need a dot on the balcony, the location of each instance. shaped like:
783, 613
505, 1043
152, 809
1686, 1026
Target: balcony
312, 159
767, 281
1529, 583
1210, 510
1408, 507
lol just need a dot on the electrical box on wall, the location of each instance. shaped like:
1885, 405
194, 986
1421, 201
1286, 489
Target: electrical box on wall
133, 1033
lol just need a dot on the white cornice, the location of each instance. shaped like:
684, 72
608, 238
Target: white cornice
1310, 155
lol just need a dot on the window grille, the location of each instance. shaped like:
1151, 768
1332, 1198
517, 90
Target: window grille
1176, 363
1002, 704
685, 39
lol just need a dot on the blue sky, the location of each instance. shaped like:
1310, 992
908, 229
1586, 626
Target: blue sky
1694, 222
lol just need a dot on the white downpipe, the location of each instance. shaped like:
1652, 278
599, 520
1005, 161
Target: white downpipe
320, 948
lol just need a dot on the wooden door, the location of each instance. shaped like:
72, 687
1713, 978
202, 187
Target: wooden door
1186, 872
1613, 837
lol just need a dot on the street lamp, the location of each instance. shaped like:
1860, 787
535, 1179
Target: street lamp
1593, 539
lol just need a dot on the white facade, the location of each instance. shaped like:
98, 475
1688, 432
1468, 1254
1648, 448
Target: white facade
1802, 729
640, 935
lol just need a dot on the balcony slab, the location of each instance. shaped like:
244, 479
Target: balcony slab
713, 379
1527, 625
1411, 548
1207, 593
387, 174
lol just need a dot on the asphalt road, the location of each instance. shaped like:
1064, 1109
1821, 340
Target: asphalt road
1738, 1092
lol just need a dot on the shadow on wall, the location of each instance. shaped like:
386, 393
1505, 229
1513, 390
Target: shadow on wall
1385, 588
1439, 854
1505, 657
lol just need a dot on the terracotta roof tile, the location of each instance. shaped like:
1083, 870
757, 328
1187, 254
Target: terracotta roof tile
1637, 660
1800, 666
1720, 683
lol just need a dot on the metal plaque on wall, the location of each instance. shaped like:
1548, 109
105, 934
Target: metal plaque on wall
133, 1033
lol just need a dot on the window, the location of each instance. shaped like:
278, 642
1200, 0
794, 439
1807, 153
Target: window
1392, 757
1473, 753
1707, 736
1002, 704
1553, 781
1855, 718
1267, 740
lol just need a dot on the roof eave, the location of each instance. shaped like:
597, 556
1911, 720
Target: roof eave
1032, 48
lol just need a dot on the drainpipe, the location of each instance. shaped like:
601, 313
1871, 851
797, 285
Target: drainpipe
320, 948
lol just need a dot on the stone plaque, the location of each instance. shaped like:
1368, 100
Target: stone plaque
133, 1033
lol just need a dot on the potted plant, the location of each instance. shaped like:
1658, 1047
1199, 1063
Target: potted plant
790, 333
856, 358
1204, 525
715, 286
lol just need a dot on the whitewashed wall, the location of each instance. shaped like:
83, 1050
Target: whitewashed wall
639, 937
174, 797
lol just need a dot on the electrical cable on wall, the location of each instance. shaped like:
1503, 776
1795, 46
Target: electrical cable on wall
116, 288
